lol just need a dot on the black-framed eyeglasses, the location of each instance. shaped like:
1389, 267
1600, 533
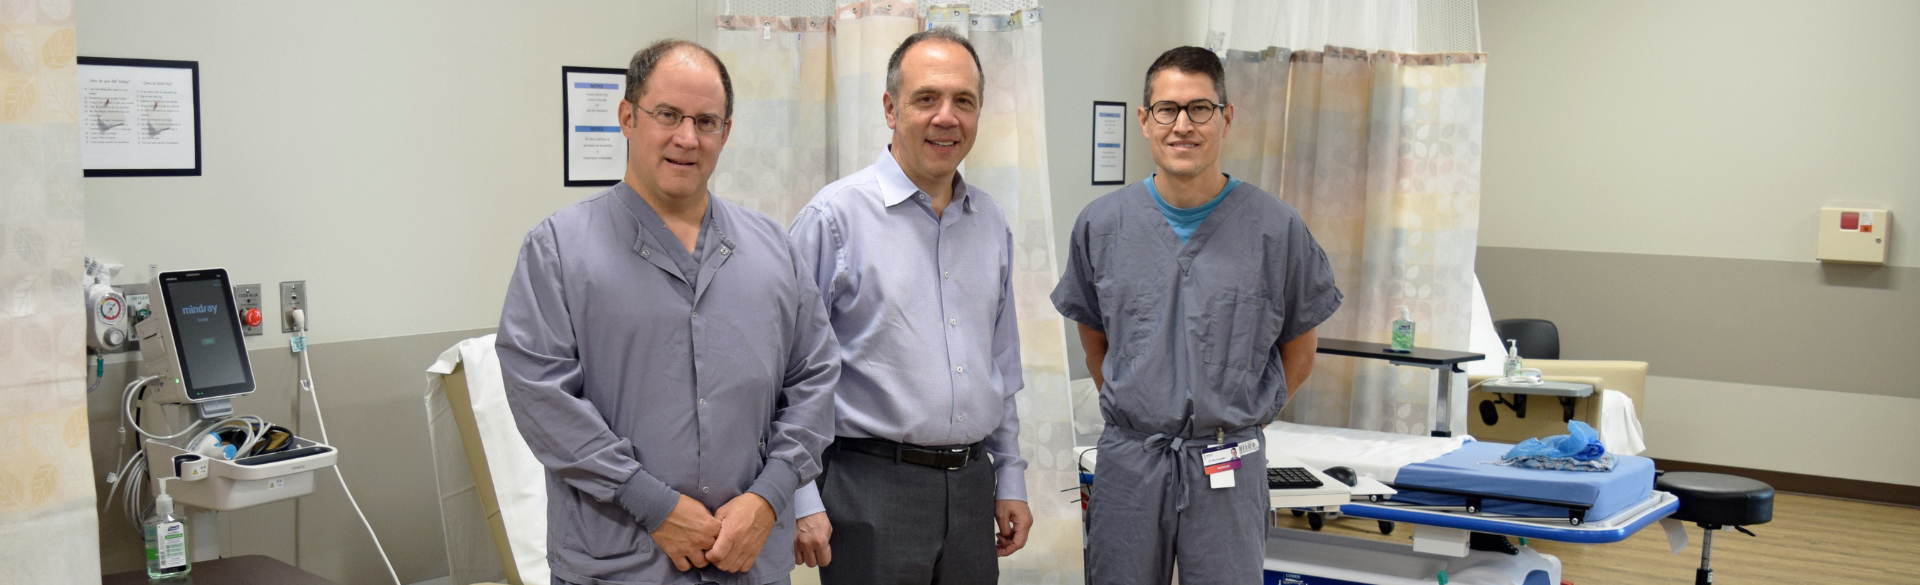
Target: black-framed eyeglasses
668, 118
1198, 111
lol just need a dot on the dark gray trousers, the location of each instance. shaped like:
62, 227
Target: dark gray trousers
906, 524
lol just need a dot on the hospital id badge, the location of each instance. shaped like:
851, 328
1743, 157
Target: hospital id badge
1220, 459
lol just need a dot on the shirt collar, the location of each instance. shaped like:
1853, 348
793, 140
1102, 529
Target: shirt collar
643, 214
896, 188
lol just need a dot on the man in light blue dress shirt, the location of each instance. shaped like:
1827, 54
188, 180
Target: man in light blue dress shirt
915, 268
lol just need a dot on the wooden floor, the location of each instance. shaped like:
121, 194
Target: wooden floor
1811, 540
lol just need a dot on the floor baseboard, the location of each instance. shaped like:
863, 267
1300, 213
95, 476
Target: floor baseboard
1813, 485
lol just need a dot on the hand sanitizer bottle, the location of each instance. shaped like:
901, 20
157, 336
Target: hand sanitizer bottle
1403, 333
1512, 367
166, 537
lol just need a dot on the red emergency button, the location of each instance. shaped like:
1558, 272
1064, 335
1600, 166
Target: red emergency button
251, 317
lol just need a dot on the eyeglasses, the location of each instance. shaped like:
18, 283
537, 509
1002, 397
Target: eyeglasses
704, 123
1198, 111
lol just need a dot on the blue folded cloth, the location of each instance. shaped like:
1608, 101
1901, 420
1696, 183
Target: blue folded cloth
1581, 443
1604, 463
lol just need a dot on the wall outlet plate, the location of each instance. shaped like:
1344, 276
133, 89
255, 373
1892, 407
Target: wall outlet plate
247, 296
293, 295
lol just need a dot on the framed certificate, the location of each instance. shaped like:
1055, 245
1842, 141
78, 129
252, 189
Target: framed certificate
1109, 143
139, 117
596, 151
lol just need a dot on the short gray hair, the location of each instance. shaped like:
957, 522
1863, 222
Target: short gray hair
937, 33
641, 67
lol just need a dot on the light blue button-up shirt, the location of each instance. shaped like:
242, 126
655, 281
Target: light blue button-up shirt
923, 308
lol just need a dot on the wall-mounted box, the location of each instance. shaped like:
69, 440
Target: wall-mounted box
1854, 235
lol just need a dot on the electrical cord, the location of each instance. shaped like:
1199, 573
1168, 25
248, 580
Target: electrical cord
129, 412
99, 371
306, 386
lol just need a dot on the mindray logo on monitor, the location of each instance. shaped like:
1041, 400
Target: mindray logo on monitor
198, 309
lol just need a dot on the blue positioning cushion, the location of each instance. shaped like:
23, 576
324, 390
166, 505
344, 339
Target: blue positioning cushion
1474, 468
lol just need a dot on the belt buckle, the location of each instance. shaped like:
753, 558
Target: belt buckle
965, 453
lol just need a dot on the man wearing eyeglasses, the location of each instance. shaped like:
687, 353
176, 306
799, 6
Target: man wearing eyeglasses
666, 355
915, 267
1196, 297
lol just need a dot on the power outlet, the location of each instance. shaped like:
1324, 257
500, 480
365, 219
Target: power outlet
293, 295
246, 297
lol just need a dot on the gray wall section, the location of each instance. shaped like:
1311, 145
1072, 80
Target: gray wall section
371, 392
1084, 64
1841, 328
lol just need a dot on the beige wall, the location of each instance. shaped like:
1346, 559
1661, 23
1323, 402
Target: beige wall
1653, 173
391, 154
1697, 127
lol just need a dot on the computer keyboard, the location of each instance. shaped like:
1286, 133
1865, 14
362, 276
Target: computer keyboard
1288, 478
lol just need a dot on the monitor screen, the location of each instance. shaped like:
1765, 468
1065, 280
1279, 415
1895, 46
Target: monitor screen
207, 332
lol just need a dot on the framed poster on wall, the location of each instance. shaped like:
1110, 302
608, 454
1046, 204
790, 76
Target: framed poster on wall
139, 117
1109, 143
596, 151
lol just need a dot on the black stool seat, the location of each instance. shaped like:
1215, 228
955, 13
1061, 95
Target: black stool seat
1715, 500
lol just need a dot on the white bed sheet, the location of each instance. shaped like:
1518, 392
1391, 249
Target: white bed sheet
519, 482
1370, 453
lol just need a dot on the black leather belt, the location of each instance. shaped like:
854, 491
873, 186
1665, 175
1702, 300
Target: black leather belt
949, 458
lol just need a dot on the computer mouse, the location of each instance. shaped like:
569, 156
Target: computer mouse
1343, 474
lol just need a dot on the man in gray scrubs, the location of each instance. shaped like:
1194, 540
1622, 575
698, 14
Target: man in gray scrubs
916, 268
1196, 297
666, 356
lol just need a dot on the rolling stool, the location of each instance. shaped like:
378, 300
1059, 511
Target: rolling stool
1714, 500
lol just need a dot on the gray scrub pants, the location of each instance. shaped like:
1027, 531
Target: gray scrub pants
1136, 529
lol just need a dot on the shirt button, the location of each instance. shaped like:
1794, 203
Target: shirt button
962, 417
703, 402
947, 274
696, 314
645, 252
703, 489
724, 251
959, 369
953, 322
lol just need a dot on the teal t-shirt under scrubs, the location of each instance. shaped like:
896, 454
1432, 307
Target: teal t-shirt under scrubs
1184, 221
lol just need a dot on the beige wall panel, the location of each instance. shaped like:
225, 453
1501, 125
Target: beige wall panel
372, 392
1790, 324
1794, 430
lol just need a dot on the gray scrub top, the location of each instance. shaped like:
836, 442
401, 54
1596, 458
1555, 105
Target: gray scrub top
1194, 330
634, 383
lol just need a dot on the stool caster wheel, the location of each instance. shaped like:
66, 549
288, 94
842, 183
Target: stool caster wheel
1298, 512
1316, 521
1386, 527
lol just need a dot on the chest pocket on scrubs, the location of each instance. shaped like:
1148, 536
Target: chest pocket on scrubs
1139, 319
1241, 331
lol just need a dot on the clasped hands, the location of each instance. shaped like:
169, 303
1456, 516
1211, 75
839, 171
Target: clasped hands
729, 538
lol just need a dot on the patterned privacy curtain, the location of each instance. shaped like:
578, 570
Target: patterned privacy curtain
808, 76
1380, 152
48, 530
